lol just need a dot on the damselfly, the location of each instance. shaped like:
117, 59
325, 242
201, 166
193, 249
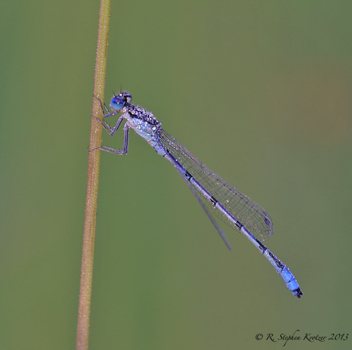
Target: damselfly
212, 192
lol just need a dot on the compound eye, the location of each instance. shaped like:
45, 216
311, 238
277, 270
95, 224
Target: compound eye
117, 102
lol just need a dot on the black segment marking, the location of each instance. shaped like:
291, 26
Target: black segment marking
188, 176
262, 247
278, 263
213, 201
238, 225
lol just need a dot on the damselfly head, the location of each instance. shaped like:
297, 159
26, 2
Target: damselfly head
119, 101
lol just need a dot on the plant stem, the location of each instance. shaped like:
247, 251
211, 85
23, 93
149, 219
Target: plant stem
92, 181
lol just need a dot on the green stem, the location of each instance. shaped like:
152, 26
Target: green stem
92, 181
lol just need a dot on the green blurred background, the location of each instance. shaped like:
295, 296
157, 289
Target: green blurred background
260, 91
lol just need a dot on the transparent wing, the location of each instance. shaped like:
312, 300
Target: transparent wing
202, 202
249, 213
